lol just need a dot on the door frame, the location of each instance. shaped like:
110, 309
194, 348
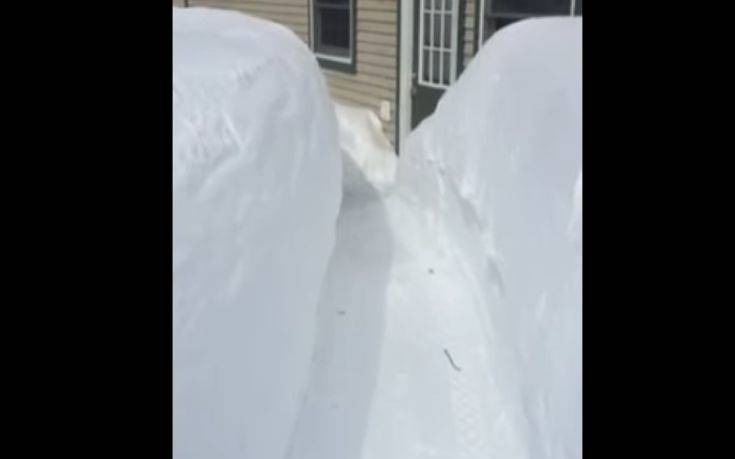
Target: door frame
406, 13
405, 66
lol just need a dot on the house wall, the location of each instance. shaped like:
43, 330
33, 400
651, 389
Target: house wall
376, 52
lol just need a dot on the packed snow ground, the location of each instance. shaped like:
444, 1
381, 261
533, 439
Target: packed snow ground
448, 322
394, 301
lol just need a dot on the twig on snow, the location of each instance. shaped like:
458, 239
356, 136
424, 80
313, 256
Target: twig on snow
451, 361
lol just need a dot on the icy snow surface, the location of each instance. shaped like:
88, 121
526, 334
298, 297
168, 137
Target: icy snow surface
257, 179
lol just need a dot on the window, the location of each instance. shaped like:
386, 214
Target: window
578, 8
500, 13
438, 55
333, 24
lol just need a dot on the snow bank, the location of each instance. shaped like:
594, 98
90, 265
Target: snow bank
502, 159
361, 138
256, 191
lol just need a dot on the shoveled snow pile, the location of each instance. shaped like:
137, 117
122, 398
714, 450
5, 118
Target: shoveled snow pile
361, 138
500, 165
256, 191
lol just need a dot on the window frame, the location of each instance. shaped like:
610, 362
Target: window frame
453, 49
480, 18
329, 61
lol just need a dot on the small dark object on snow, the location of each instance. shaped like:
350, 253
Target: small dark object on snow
451, 361
431, 270
341, 312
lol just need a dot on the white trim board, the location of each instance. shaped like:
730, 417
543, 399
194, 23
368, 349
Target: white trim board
406, 63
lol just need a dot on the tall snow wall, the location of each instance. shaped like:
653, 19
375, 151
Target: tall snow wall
256, 192
501, 162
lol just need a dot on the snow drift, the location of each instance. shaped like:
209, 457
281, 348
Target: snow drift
256, 191
502, 159
361, 138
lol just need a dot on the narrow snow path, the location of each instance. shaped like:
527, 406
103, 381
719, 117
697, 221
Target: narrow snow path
401, 366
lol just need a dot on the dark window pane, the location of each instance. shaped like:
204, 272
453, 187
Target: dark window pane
333, 31
447, 65
530, 7
578, 8
435, 67
335, 28
437, 30
493, 24
426, 66
332, 3
427, 29
447, 31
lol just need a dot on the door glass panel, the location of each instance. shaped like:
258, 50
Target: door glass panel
447, 66
436, 36
435, 69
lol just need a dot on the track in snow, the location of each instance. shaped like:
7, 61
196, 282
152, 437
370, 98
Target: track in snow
394, 300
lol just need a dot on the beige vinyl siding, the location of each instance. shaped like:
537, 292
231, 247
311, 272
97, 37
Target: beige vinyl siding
376, 54
293, 14
179, 3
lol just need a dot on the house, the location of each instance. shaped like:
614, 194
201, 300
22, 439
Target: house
370, 50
